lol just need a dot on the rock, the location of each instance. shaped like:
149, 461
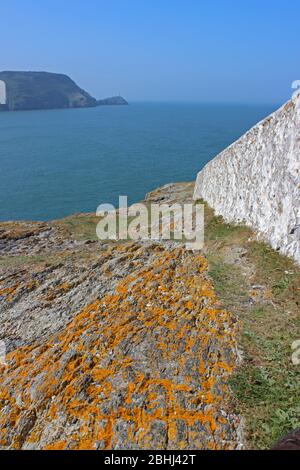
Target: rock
25, 424
113, 345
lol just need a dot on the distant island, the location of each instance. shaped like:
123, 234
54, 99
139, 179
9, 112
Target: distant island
114, 100
20, 91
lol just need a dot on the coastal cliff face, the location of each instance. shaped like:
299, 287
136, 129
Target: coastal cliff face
256, 181
42, 90
22, 91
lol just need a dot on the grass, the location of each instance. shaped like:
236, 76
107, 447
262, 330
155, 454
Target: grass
83, 226
228, 281
216, 229
16, 261
266, 386
80, 227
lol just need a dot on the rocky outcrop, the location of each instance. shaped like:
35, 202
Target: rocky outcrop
43, 90
256, 181
111, 345
114, 100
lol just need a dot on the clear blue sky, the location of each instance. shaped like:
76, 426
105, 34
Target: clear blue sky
178, 50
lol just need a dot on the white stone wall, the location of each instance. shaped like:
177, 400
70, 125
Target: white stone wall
2, 92
256, 181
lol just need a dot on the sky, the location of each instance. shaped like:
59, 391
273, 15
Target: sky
238, 51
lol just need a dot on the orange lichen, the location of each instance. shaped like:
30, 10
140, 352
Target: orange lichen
8, 292
102, 338
59, 445
58, 291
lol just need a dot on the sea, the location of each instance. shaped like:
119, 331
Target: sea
55, 163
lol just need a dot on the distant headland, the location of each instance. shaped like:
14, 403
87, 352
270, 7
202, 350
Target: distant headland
114, 100
21, 91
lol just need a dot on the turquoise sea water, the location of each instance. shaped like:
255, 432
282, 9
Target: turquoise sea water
55, 163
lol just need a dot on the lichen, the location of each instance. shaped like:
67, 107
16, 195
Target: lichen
135, 361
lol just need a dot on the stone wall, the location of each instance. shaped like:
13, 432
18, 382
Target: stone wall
256, 181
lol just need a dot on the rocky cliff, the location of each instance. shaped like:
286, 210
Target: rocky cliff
43, 90
256, 181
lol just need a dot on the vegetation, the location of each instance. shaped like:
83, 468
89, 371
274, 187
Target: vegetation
262, 288
79, 226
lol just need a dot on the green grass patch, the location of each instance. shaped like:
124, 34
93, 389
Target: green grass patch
228, 281
80, 227
266, 386
216, 230
15, 261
